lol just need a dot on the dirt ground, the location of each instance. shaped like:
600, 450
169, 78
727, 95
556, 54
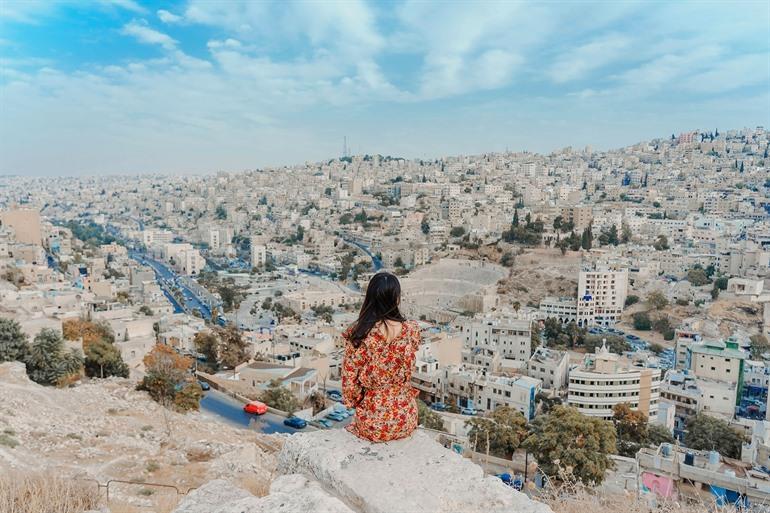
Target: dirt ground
541, 272
105, 430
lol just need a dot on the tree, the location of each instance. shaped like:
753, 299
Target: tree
221, 213
615, 343
425, 227
515, 221
508, 259
565, 438
146, 310
630, 429
658, 434
232, 348
721, 283
586, 238
657, 300
697, 277
103, 359
89, 332
625, 233
642, 321
504, 430
49, 362
706, 433
167, 379
280, 398
759, 346
13, 341
207, 344
661, 243
457, 231
428, 418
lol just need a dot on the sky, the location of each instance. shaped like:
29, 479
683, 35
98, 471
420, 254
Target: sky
94, 87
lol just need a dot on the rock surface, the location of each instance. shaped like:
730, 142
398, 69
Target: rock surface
288, 494
405, 476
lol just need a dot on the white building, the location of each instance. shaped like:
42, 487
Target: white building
486, 341
605, 380
601, 296
258, 254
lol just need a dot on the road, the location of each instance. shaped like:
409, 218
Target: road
225, 408
376, 262
166, 277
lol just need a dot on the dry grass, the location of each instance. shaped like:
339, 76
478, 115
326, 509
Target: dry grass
45, 493
196, 455
569, 496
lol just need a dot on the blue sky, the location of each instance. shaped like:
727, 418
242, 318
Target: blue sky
190, 86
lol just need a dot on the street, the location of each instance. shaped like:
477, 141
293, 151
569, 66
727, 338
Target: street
224, 408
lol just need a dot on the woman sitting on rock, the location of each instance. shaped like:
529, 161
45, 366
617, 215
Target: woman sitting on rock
377, 369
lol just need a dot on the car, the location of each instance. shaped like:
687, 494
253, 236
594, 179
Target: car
335, 416
438, 406
468, 411
334, 395
255, 407
351, 412
295, 422
325, 423
204, 386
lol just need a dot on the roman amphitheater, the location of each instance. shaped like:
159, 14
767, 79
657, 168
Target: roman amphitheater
445, 288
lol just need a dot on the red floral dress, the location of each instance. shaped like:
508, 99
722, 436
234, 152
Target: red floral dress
376, 382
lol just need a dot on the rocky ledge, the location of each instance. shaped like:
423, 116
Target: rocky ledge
331, 471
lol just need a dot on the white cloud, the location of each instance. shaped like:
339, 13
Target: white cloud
575, 64
168, 17
144, 34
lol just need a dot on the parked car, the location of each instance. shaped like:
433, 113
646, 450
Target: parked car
255, 407
295, 422
335, 416
334, 395
468, 411
351, 412
204, 386
325, 423
438, 406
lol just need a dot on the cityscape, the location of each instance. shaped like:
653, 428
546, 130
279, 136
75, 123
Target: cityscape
594, 320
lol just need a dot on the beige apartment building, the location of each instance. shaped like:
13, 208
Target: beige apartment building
25, 223
605, 379
580, 216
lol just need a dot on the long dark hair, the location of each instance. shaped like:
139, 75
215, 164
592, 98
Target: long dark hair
383, 295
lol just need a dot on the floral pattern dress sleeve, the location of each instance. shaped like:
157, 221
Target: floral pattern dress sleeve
352, 364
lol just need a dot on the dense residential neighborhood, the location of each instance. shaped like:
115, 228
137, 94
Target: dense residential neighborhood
625, 284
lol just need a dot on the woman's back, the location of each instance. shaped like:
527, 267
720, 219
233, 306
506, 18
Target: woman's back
376, 381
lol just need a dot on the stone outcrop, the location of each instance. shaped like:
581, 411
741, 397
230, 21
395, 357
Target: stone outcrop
405, 476
288, 494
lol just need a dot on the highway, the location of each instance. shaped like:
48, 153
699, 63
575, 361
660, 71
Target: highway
167, 277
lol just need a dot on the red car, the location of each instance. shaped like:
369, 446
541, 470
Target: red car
255, 407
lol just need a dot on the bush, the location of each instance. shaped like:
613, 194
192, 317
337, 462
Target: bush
631, 300
657, 300
642, 321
